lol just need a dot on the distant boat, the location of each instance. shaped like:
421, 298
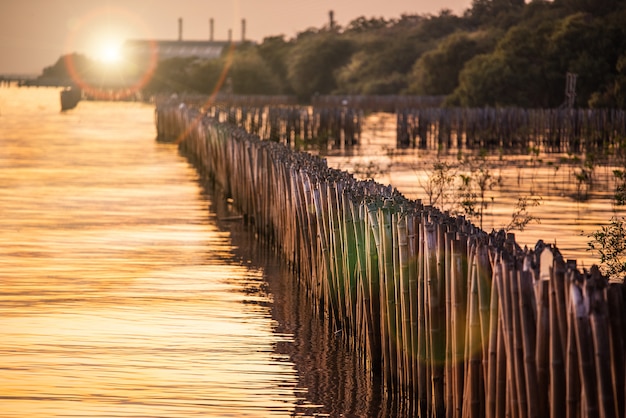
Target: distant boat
70, 97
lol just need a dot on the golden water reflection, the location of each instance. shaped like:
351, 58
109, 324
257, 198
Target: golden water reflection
119, 294
563, 218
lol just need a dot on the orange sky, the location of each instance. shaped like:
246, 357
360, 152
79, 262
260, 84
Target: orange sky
34, 33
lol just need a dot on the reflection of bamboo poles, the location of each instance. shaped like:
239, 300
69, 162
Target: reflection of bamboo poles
554, 130
460, 322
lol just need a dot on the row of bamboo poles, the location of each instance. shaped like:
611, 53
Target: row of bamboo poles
299, 127
377, 103
515, 129
461, 322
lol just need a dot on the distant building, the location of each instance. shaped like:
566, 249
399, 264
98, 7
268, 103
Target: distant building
144, 49
147, 50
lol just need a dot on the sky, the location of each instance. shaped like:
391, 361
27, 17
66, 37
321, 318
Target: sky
35, 33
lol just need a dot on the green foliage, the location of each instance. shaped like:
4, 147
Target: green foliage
379, 66
78, 68
498, 53
314, 60
514, 74
436, 72
363, 25
595, 7
528, 66
176, 75
250, 74
610, 244
501, 13
275, 52
485, 81
60, 69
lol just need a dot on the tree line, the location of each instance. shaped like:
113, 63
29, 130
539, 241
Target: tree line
497, 53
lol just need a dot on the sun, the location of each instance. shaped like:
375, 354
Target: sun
109, 52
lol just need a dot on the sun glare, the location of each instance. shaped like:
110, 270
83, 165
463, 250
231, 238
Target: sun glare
109, 53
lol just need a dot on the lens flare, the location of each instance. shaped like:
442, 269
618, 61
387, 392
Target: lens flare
106, 27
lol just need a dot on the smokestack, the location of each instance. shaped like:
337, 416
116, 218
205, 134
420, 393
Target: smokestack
331, 16
211, 29
243, 30
180, 28
230, 35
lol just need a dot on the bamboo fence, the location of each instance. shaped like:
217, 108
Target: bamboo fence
512, 129
377, 103
296, 126
293, 125
461, 322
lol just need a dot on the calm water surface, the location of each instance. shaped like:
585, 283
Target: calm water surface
561, 217
124, 292
122, 295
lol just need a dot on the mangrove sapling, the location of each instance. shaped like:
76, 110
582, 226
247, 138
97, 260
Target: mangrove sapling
439, 185
620, 187
475, 184
584, 177
583, 182
467, 196
521, 216
610, 244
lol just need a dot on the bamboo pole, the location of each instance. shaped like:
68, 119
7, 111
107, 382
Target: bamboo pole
557, 368
459, 303
617, 318
372, 242
449, 360
573, 379
421, 318
542, 349
582, 328
405, 313
471, 397
413, 222
388, 293
528, 330
518, 347
491, 395
484, 275
504, 297
599, 323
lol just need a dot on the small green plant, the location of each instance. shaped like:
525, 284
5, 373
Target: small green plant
521, 217
584, 177
475, 183
610, 243
467, 197
583, 182
439, 185
620, 187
